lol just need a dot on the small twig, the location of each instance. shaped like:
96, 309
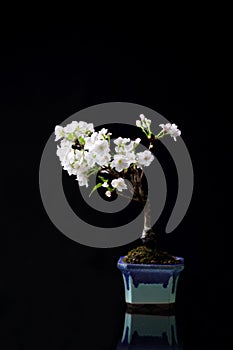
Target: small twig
111, 171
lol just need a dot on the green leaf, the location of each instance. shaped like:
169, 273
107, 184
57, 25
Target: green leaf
95, 188
81, 140
102, 178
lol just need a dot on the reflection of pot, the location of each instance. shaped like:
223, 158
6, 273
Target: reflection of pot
149, 332
150, 284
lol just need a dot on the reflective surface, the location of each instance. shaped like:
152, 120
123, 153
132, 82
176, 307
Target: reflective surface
149, 332
89, 316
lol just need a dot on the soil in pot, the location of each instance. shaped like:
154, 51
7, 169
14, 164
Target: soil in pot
147, 255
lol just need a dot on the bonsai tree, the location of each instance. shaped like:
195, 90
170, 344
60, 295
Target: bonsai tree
84, 152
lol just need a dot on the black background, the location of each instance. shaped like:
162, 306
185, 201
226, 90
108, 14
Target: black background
56, 293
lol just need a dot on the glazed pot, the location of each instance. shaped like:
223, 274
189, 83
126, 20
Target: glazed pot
150, 283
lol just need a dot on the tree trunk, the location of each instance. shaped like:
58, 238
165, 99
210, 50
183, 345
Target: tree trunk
148, 236
147, 217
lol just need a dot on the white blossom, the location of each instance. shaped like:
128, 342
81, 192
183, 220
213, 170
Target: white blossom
120, 162
84, 128
70, 156
82, 175
144, 158
108, 194
122, 146
138, 123
119, 184
105, 184
128, 150
59, 132
62, 152
171, 129
98, 150
66, 143
144, 122
132, 145
69, 128
165, 127
103, 133
101, 147
121, 141
74, 129
137, 141
131, 157
70, 169
90, 158
79, 156
82, 179
103, 160
90, 141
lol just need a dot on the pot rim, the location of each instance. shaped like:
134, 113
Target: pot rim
123, 265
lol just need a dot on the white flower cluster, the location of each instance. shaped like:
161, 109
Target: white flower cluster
170, 129
125, 154
73, 130
92, 150
117, 184
144, 123
83, 152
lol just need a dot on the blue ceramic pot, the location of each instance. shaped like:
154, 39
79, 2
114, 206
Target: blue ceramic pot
150, 283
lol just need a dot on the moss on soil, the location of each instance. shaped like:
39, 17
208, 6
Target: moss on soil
145, 255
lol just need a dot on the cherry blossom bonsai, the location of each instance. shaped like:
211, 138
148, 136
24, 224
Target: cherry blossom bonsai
84, 152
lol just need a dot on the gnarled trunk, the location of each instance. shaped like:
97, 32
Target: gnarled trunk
147, 218
148, 236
